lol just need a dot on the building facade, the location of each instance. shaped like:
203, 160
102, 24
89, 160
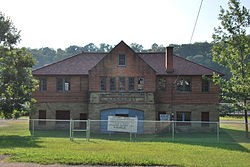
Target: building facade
149, 86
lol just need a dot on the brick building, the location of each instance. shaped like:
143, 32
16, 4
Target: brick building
149, 86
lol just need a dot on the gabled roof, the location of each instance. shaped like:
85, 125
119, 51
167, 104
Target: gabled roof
76, 65
81, 64
181, 66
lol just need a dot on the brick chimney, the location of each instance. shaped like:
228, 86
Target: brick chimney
169, 59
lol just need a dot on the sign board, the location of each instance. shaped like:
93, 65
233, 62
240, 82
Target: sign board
164, 117
122, 124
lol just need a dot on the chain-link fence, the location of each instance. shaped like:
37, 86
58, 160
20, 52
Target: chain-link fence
127, 130
130, 130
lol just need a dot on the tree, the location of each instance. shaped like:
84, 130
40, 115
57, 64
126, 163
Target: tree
136, 47
8, 33
105, 47
232, 49
16, 81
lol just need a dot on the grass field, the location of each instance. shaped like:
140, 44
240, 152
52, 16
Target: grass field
15, 140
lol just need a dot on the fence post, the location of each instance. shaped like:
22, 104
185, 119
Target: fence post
70, 129
173, 130
218, 131
33, 127
88, 130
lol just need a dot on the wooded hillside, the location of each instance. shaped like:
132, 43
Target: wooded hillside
197, 52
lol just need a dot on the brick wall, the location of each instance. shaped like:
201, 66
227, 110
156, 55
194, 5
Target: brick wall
196, 96
135, 67
78, 90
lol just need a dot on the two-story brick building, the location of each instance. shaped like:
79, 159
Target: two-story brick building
149, 86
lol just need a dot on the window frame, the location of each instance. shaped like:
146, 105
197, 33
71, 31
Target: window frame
184, 118
121, 60
122, 81
162, 87
63, 81
103, 83
140, 83
205, 85
42, 114
42, 84
131, 83
185, 87
64, 118
112, 83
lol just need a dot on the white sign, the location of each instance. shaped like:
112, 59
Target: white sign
164, 117
122, 124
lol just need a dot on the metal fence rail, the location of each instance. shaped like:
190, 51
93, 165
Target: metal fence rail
184, 132
124, 130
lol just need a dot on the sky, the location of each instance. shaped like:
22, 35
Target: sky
62, 23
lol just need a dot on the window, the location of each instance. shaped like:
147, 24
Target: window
42, 115
121, 83
62, 115
184, 85
140, 85
131, 83
112, 84
43, 84
205, 85
121, 60
63, 84
103, 83
121, 115
161, 84
205, 118
183, 116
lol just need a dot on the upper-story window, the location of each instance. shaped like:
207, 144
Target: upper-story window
103, 83
131, 83
140, 85
122, 85
161, 84
112, 84
205, 85
42, 84
184, 85
121, 60
63, 84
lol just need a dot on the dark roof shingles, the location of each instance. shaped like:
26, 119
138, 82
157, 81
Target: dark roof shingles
82, 63
75, 65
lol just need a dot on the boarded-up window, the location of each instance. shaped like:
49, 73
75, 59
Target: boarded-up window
62, 115
121, 83
112, 84
102, 83
42, 115
205, 118
161, 84
140, 85
131, 83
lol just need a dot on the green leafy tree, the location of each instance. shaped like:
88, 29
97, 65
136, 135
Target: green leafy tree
16, 81
136, 47
105, 47
232, 49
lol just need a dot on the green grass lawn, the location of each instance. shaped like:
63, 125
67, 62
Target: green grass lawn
233, 118
15, 140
